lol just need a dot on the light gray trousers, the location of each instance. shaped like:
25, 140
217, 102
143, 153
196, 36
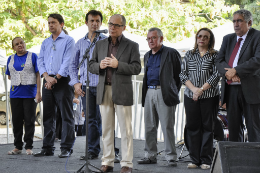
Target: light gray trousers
154, 110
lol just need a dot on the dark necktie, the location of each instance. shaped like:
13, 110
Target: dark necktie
233, 56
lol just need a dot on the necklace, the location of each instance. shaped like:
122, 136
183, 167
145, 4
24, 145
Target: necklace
202, 53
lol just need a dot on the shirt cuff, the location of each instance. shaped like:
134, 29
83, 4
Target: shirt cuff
73, 82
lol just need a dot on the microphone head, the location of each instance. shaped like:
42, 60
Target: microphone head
102, 31
105, 31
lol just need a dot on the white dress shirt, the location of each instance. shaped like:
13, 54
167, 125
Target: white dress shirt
237, 56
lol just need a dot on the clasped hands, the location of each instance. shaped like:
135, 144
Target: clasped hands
109, 62
196, 93
231, 74
50, 81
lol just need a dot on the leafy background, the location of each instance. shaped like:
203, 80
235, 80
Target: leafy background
177, 19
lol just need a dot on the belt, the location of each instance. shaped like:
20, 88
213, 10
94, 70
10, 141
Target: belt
154, 87
107, 83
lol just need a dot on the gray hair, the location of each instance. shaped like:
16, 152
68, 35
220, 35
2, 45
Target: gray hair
122, 17
159, 32
246, 14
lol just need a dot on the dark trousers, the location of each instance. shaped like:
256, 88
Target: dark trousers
237, 107
200, 116
58, 123
78, 130
60, 96
23, 113
94, 124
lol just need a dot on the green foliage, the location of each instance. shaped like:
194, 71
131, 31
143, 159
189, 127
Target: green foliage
28, 18
254, 9
239, 2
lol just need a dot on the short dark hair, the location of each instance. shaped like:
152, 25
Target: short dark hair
14, 39
211, 41
94, 13
57, 16
122, 17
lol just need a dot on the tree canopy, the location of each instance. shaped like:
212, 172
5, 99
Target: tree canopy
178, 20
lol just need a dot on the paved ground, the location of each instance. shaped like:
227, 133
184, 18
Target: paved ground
52, 164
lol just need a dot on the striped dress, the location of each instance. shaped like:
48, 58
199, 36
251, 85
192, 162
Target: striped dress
200, 70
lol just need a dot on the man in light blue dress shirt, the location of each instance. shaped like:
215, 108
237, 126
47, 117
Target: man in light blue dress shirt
93, 21
53, 64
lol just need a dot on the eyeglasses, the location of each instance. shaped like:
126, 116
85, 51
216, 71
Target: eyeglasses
238, 21
151, 38
53, 45
115, 25
203, 36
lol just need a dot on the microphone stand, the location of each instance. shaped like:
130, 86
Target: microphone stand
86, 57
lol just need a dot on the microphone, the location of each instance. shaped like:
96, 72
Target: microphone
102, 31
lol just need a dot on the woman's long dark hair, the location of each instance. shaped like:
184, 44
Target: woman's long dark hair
211, 41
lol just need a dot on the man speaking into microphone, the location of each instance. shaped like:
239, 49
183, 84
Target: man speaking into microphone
115, 60
93, 21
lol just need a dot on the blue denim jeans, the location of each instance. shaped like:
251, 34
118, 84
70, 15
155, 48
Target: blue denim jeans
94, 123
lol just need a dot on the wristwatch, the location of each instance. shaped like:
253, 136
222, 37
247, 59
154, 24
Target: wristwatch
202, 88
55, 77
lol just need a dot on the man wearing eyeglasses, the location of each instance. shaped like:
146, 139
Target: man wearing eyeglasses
93, 21
53, 64
238, 62
161, 85
115, 60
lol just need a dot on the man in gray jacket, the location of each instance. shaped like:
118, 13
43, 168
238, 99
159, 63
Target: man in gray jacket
115, 60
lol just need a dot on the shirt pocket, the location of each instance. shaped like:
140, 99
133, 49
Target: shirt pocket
207, 65
192, 65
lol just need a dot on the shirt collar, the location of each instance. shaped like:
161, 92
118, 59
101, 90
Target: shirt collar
159, 51
62, 35
99, 37
118, 40
197, 51
244, 36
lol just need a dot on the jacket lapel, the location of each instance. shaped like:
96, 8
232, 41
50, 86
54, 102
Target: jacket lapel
163, 58
232, 46
248, 39
123, 44
146, 56
104, 48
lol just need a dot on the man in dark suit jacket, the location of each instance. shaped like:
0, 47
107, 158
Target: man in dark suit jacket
239, 64
116, 59
161, 85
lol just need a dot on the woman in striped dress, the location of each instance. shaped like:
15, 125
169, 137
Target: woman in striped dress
201, 97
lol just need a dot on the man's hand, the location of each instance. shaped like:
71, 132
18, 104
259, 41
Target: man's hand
235, 79
75, 100
112, 62
58, 76
78, 89
50, 80
103, 64
48, 86
230, 73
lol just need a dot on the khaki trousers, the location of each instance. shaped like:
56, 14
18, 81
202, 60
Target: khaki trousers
124, 116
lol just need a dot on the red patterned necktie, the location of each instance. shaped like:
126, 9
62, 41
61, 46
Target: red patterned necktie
233, 56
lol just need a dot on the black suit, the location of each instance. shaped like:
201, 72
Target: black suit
169, 76
242, 99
